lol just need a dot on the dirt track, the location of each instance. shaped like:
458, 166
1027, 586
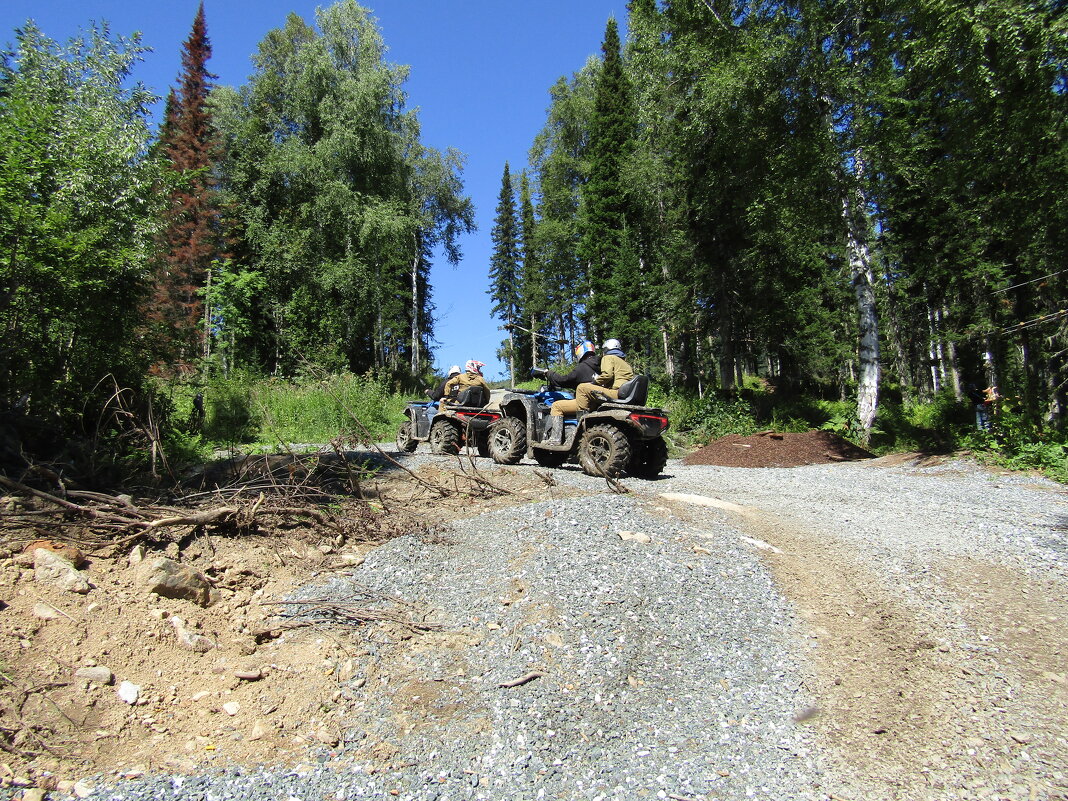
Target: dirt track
941, 677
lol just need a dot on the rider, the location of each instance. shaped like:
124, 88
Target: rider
439, 392
586, 368
615, 372
471, 377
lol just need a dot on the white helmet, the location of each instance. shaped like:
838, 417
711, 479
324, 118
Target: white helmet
454, 370
611, 344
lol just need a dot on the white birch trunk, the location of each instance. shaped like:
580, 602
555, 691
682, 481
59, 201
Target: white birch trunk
932, 347
533, 342
416, 338
855, 217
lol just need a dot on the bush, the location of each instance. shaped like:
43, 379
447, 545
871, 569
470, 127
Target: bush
713, 416
314, 412
230, 414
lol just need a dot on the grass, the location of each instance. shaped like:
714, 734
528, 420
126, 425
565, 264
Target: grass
255, 414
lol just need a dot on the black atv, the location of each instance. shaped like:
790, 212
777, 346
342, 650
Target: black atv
451, 427
621, 436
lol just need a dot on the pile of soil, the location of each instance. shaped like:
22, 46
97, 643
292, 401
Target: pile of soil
768, 449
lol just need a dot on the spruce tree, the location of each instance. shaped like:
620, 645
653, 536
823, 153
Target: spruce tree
532, 300
192, 239
504, 266
604, 246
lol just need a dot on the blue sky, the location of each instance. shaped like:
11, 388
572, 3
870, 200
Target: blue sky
480, 76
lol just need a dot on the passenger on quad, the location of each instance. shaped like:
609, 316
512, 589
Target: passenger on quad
471, 377
438, 392
585, 370
614, 373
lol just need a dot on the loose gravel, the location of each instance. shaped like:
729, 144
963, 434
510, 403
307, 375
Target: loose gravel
602, 648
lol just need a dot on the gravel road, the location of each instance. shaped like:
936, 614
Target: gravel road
864, 630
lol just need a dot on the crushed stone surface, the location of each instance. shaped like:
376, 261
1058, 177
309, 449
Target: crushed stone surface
817, 632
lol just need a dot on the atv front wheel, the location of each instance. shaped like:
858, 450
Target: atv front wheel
604, 451
405, 441
507, 440
649, 458
444, 438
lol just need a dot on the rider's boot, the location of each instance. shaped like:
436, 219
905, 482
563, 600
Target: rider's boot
555, 430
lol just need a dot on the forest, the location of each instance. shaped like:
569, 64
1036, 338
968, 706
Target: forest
843, 202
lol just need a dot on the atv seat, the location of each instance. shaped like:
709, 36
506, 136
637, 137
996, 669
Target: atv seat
472, 396
632, 393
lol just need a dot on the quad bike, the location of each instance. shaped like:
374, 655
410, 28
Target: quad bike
622, 435
449, 427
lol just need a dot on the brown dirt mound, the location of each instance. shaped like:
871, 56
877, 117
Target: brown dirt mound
768, 449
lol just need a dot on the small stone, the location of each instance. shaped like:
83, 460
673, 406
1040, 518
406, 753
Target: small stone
635, 536
97, 675
352, 559
129, 692
189, 640
1020, 737
231, 708
83, 789
326, 737
249, 675
169, 579
259, 731
199, 696
45, 611
65, 550
33, 794
137, 555
53, 569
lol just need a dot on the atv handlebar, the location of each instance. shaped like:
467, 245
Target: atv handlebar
539, 372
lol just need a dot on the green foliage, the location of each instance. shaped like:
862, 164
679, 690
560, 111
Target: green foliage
713, 416
340, 204
1015, 442
77, 215
1051, 458
267, 413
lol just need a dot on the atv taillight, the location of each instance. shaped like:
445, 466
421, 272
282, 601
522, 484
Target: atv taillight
653, 423
488, 417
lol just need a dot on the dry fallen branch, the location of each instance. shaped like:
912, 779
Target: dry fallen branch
479, 480
325, 611
534, 674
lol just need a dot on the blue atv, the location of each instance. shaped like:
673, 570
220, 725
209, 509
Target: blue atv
622, 435
449, 427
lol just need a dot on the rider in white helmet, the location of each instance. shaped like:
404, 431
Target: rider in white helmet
439, 392
615, 372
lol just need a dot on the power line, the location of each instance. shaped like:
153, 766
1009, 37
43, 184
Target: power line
1032, 281
1046, 318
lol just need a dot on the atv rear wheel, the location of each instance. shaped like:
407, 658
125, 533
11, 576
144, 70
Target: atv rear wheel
406, 442
507, 440
604, 451
550, 458
649, 458
444, 438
